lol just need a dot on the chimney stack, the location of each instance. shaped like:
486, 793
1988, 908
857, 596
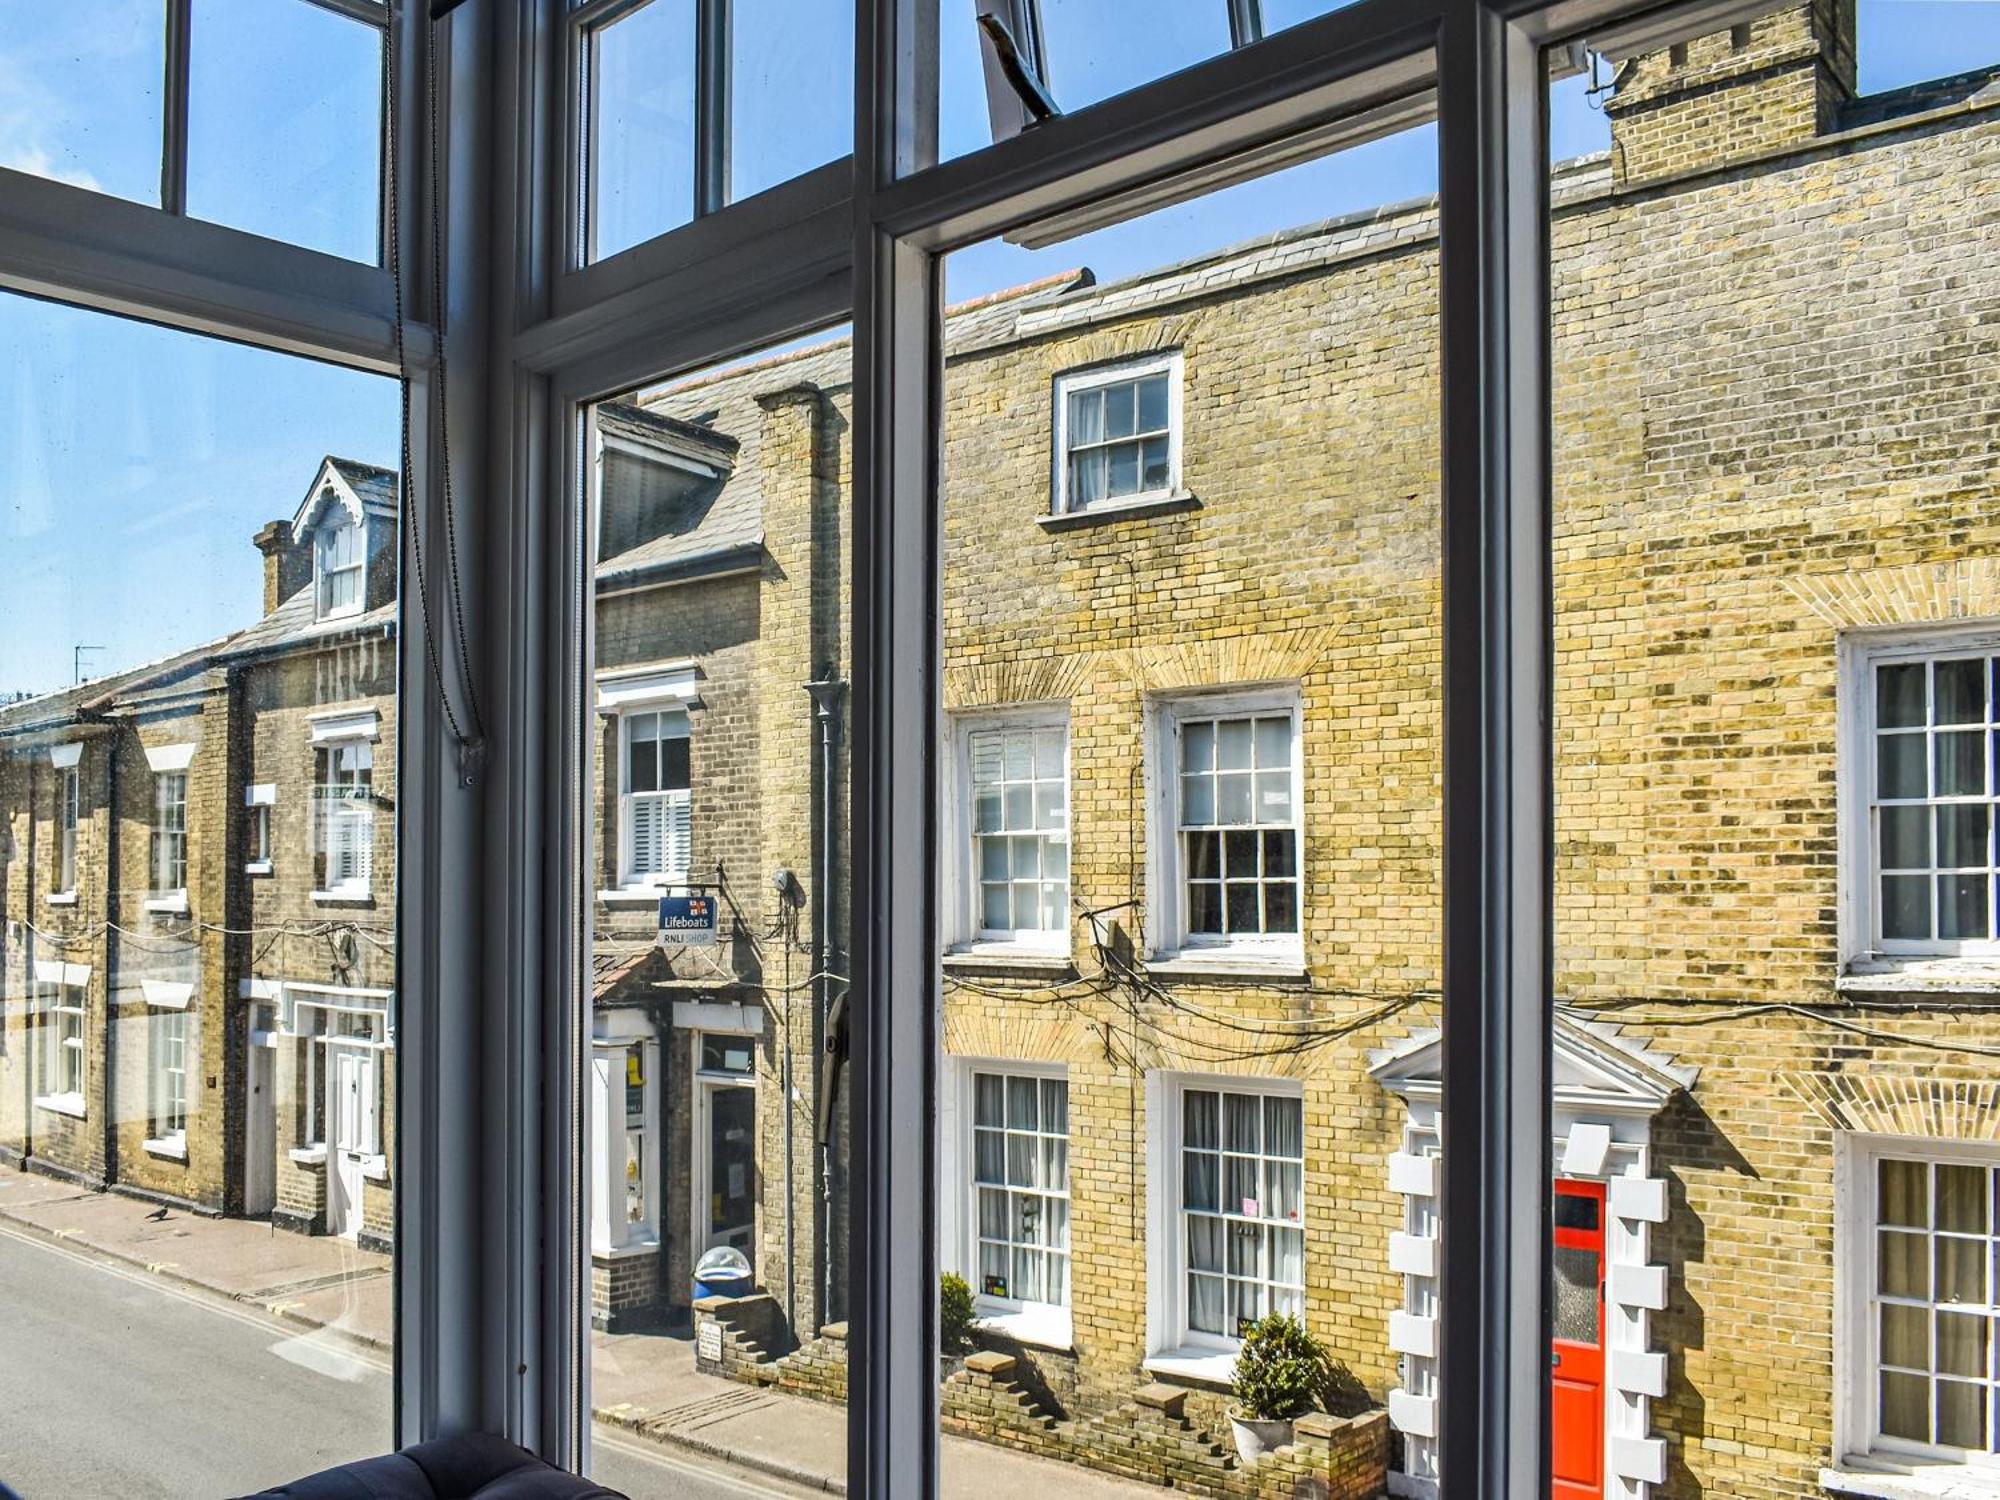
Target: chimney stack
274, 540
1766, 85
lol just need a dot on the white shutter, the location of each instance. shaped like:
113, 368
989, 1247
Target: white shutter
645, 830
361, 839
677, 843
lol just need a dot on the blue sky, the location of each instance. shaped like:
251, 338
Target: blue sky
135, 463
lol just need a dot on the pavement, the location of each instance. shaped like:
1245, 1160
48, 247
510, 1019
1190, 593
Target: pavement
657, 1415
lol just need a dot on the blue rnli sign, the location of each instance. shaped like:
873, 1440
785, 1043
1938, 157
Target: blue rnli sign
687, 919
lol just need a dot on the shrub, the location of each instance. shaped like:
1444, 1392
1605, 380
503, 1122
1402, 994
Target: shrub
1281, 1370
954, 1310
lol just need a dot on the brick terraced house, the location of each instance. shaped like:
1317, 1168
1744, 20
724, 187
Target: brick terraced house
1190, 616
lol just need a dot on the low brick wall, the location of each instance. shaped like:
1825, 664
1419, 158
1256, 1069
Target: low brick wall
998, 1398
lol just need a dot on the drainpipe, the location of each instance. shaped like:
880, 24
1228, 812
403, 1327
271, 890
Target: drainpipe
826, 697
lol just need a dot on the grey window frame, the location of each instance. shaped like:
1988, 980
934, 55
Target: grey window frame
492, 898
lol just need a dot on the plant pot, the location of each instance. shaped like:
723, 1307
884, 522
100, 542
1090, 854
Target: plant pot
1256, 1436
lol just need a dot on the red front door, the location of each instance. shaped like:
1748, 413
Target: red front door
1576, 1402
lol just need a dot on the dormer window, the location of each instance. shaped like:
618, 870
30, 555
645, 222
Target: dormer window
340, 566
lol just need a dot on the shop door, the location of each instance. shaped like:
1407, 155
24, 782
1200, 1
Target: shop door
1576, 1402
730, 1210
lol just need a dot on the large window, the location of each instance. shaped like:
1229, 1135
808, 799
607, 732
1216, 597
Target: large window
1242, 1161
1923, 1248
1016, 775
169, 1081
69, 800
344, 817
1020, 1188
1118, 434
170, 855
1929, 729
59, 1016
656, 809
342, 561
1232, 842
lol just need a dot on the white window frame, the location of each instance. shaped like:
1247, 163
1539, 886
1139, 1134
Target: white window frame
167, 1070
61, 998
1861, 939
258, 801
1044, 1324
667, 878
165, 838
325, 537
1093, 377
961, 866
69, 818
1857, 1329
1172, 1346
358, 885
1166, 886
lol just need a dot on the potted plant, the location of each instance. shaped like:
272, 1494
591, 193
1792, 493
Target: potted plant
955, 1312
1280, 1373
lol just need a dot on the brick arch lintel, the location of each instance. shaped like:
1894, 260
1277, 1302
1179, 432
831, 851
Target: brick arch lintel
1889, 1104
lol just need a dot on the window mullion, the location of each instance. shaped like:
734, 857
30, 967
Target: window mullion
714, 42
174, 107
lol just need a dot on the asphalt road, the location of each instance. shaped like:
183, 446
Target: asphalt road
116, 1384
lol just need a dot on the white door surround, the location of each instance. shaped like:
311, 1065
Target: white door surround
1607, 1090
724, 1165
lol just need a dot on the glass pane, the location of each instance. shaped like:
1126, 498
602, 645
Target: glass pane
244, 1148
1961, 764
1906, 1337
1095, 49
1906, 1407
641, 143
285, 124
1904, 1193
1732, 870
1958, 692
1962, 836
1906, 836
1899, 695
1288, 620
82, 92
1575, 1315
751, 1144
788, 110
1900, 770
1963, 1198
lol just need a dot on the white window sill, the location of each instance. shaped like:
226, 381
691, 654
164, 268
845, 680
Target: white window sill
1119, 510
1018, 958
1194, 1364
1895, 1477
257, 867
170, 1148
1041, 1327
634, 895
1918, 974
1231, 963
61, 1104
173, 902
309, 1156
60, 898
343, 898
627, 1251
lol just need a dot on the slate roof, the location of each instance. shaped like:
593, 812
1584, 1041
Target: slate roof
293, 624
720, 528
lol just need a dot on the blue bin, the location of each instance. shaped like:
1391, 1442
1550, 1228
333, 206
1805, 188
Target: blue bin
723, 1272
